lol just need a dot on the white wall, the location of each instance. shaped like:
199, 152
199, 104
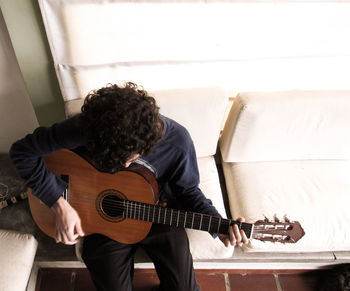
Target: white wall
28, 38
16, 112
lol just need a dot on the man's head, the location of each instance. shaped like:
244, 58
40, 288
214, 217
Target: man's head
119, 123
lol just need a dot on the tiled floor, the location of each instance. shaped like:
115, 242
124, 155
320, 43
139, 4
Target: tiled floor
53, 279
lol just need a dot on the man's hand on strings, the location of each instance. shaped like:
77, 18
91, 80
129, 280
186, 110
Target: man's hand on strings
235, 237
68, 223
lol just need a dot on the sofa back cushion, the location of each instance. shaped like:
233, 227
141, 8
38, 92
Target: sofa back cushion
200, 110
288, 125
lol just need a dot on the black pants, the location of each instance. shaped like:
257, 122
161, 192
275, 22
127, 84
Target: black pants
111, 263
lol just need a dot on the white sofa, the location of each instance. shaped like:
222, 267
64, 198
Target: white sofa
288, 153
17, 252
93, 43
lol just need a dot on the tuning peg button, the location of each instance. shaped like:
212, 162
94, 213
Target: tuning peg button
276, 219
286, 218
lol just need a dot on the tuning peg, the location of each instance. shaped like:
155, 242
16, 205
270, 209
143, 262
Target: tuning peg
266, 219
286, 218
276, 219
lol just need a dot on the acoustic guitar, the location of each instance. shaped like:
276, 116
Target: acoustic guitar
123, 205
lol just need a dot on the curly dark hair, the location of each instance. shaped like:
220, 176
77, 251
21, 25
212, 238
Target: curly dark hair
118, 122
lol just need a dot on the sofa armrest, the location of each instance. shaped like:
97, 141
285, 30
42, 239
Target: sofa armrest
17, 252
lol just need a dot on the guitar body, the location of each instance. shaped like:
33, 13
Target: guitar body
87, 192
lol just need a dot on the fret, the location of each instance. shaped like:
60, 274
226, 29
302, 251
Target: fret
228, 221
185, 219
218, 231
130, 210
154, 209
209, 224
144, 210
192, 220
165, 216
225, 223
200, 224
171, 217
177, 221
205, 221
158, 214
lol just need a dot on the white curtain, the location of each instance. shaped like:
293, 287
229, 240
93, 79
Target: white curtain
237, 45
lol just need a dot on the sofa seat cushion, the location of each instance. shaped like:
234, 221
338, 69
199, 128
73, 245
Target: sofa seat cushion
203, 245
17, 252
313, 192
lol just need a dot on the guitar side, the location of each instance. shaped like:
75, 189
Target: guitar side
86, 186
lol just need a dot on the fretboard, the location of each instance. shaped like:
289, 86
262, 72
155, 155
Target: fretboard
181, 218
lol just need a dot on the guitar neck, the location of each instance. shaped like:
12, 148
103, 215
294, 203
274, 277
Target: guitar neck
180, 218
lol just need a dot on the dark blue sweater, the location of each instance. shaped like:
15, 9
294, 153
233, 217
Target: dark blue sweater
173, 162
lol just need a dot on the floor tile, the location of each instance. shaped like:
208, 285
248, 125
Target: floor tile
211, 281
252, 282
300, 282
53, 279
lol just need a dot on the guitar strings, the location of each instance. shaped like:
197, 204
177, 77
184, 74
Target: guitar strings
158, 214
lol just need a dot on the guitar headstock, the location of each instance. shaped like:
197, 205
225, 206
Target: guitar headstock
277, 231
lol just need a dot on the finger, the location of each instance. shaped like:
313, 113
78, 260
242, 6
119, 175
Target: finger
79, 230
72, 236
232, 236
58, 236
237, 235
245, 240
241, 219
67, 236
69, 240
226, 242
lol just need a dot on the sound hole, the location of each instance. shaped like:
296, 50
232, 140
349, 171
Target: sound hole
112, 206
109, 205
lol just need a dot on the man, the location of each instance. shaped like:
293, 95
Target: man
119, 126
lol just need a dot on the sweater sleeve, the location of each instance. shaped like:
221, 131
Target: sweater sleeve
28, 154
185, 180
